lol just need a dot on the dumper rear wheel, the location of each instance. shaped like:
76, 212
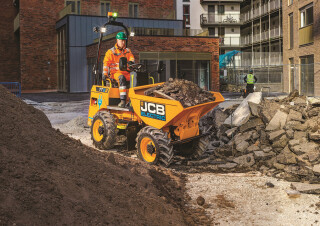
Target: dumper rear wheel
199, 147
153, 146
104, 130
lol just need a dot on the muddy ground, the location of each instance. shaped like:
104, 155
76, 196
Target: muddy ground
230, 199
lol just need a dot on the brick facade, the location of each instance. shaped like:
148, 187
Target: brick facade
297, 51
9, 44
170, 44
38, 40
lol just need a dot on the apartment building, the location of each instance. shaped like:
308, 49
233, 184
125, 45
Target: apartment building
301, 44
261, 33
44, 43
213, 18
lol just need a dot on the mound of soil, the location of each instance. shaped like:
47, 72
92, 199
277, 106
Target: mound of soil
47, 177
184, 91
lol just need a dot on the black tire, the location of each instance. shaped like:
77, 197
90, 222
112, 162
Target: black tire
199, 147
108, 130
163, 150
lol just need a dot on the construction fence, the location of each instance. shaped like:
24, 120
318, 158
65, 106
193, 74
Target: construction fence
271, 78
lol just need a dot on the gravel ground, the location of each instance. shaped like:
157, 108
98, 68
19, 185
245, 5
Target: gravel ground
230, 199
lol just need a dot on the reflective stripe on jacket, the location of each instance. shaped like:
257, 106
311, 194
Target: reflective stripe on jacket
111, 61
250, 79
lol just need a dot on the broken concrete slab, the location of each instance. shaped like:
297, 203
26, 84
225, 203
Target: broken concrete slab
242, 147
314, 136
245, 160
260, 155
316, 169
293, 143
300, 135
293, 193
276, 134
242, 137
286, 157
254, 108
305, 148
290, 133
306, 188
251, 124
229, 165
278, 121
231, 132
253, 148
294, 116
314, 112
242, 114
291, 124
314, 101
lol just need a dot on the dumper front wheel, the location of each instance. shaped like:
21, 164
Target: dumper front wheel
103, 130
153, 146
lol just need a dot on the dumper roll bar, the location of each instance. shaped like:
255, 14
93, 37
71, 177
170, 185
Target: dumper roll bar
96, 68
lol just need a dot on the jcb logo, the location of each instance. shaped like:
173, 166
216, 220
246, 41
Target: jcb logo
102, 90
153, 110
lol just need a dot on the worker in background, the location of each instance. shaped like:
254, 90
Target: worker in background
111, 65
250, 79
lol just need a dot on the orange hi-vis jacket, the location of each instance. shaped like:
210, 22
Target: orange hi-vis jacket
111, 61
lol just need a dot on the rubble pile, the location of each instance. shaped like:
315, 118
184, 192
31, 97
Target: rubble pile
186, 92
277, 137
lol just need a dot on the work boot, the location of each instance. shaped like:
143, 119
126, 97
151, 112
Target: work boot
122, 104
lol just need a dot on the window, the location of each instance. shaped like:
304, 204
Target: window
306, 16
75, 6
186, 0
307, 75
220, 9
232, 8
105, 7
291, 71
290, 2
186, 14
211, 31
133, 10
290, 30
232, 29
221, 31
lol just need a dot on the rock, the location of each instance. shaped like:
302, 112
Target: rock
215, 143
245, 160
290, 133
313, 124
300, 135
269, 184
267, 149
241, 147
278, 121
293, 143
254, 108
314, 112
278, 166
268, 110
301, 127
316, 169
255, 135
200, 200
294, 116
314, 101
242, 114
263, 137
303, 148
260, 155
286, 157
242, 137
276, 134
229, 165
314, 136
231, 132
281, 143
291, 124
252, 123
253, 148
224, 139
293, 193
306, 188
300, 101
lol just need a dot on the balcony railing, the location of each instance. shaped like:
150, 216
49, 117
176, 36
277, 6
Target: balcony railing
249, 59
266, 8
246, 40
306, 35
66, 11
230, 42
16, 23
211, 19
275, 32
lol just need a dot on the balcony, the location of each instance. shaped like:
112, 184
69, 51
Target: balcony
229, 42
220, 19
275, 32
261, 59
246, 40
66, 11
306, 35
264, 35
264, 9
16, 23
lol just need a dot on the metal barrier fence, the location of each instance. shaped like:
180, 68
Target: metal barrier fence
13, 87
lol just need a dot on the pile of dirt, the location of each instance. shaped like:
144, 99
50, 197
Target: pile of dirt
279, 137
47, 177
184, 91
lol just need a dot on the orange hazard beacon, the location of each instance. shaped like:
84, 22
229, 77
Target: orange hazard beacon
156, 126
